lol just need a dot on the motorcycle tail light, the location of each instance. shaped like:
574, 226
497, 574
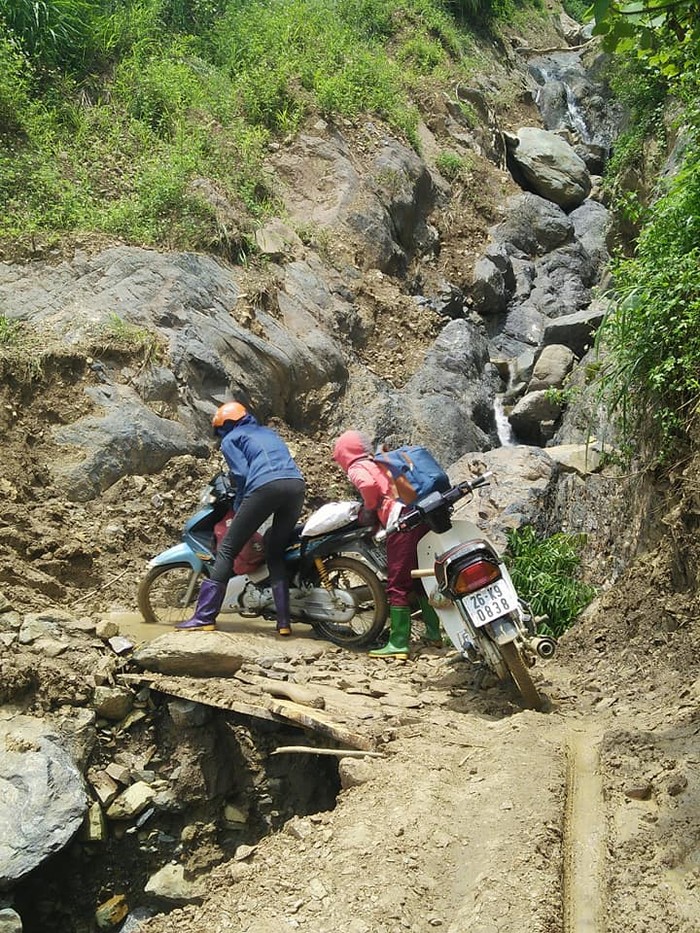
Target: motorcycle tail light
475, 577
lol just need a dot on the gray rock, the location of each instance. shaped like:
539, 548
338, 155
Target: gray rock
170, 884
488, 290
532, 415
550, 166
384, 214
553, 365
131, 802
533, 225
10, 921
577, 458
524, 480
188, 714
576, 331
112, 702
124, 438
42, 796
451, 396
276, 240
134, 920
106, 628
592, 225
202, 654
354, 771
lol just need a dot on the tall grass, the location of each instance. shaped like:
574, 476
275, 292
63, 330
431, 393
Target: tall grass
53, 32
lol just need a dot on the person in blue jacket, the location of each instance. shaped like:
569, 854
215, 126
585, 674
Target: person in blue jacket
268, 482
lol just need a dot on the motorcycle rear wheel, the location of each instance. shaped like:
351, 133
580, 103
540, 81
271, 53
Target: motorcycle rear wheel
168, 594
369, 597
521, 676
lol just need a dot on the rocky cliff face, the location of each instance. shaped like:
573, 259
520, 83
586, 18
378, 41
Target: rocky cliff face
385, 296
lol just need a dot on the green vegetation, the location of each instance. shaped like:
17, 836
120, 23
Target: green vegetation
121, 336
452, 165
22, 351
10, 332
650, 375
545, 572
652, 378
577, 9
111, 109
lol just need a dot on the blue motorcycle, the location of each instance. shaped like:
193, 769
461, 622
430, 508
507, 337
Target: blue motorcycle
335, 574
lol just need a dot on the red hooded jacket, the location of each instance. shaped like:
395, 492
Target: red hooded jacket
354, 454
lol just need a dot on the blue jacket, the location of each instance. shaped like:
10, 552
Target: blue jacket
256, 456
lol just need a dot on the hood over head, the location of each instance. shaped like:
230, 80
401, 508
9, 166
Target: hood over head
351, 446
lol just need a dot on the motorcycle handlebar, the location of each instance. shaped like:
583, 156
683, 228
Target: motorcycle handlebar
436, 500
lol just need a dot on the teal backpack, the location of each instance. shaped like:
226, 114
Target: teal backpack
414, 471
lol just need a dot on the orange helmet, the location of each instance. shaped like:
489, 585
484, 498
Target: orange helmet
230, 411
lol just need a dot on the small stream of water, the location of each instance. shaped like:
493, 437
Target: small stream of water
505, 432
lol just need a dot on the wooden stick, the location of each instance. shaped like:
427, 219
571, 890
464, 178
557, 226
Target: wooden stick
338, 752
103, 587
553, 48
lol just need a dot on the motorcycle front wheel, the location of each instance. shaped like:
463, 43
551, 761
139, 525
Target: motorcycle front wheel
521, 675
168, 594
369, 596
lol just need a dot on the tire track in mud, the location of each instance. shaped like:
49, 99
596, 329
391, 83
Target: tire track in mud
584, 837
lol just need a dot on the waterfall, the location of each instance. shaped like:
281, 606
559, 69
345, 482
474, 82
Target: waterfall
503, 428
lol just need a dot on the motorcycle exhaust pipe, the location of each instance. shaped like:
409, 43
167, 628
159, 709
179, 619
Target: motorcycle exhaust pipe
544, 645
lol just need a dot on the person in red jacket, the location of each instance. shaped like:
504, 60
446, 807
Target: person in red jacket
353, 452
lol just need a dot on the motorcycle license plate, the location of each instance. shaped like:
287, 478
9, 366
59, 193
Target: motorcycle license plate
491, 603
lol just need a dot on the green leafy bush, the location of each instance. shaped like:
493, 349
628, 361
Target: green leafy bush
452, 165
9, 331
286, 57
545, 572
651, 376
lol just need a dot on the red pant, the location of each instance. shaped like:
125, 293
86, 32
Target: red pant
402, 558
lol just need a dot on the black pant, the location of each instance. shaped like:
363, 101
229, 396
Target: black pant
282, 498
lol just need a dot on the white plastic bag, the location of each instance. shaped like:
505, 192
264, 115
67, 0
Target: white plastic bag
330, 516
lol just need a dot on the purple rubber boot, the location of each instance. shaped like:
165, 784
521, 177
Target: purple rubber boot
280, 594
211, 596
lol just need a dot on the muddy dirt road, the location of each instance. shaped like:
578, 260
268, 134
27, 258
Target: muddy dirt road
482, 817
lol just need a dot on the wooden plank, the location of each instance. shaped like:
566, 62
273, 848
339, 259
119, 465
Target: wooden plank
258, 706
318, 721
183, 690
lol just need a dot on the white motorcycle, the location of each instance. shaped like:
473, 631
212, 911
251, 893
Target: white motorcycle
469, 586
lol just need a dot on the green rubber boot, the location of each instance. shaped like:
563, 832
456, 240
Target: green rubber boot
433, 634
399, 634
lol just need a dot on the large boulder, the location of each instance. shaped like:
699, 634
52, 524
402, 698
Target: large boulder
553, 365
448, 404
42, 796
122, 437
549, 166
576, 331
532, 225
534, 417
378, 219
524, 480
